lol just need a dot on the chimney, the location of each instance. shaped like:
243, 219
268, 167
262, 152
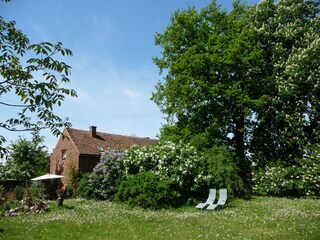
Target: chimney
93, 131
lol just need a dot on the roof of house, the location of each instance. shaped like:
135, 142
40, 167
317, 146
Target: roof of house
86, 143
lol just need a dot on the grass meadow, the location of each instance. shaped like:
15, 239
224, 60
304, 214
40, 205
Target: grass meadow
257, 218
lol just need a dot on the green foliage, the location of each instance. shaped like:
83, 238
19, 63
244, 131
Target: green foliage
85, 188
148, 190
37, 81
2, 191
73, 177
247, 79
19, 192
189, 172
288, 117
163, 175
4, 207
211, 62
107, 175
28, 159
302, 179
221, 171
37, 190
180, 163
3, 172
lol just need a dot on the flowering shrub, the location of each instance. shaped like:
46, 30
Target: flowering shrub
107, 175
147, 190
162, 175
298, 180
180, 163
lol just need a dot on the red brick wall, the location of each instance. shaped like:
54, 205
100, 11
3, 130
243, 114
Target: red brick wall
57, 164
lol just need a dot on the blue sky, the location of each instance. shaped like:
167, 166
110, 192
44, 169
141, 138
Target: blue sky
112, 70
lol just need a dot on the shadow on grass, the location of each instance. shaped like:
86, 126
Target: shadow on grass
54, 207
68, 207
246, 197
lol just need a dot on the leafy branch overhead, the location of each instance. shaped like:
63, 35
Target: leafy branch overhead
32, 81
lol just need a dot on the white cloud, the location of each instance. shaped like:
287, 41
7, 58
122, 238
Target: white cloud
114, 98
132, 95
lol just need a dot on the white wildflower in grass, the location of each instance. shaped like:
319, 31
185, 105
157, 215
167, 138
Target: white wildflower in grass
257, 218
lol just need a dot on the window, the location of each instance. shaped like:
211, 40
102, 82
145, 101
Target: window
64, 154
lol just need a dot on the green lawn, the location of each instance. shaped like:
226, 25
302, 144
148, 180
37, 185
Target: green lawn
258, 218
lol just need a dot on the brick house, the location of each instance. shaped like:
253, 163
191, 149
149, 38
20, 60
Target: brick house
84, 148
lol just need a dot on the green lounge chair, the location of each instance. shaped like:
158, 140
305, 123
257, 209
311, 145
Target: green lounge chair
210, 200
222, 200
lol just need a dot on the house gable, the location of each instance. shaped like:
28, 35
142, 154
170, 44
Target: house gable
84, 148
64, 152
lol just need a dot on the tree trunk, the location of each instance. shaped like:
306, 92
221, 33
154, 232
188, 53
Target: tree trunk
239, 136
60, 202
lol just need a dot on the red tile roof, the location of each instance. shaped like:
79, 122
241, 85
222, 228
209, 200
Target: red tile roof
87, 144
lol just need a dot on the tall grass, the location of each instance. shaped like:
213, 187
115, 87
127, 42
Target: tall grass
258, 218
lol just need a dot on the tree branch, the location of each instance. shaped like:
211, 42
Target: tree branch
6, 81
21, 130
14, 105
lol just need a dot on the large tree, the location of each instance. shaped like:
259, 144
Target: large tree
33, 81
248, 79
288, 120
210, 65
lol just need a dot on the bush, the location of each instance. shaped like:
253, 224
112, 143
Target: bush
19, 192
2, 191
178, 170
107, 174
4, 207
37, 190
220, 171
302, 179
85, 188
10, 197
73, 178
178, 162
148, 190
191, 172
